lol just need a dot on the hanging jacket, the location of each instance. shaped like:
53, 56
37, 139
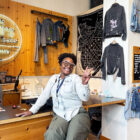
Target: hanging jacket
61, 32
128, 113
58, 31
66, 36
115, 22
113, 61
37, 41
136, 100
47, 36
135, 16
47, 32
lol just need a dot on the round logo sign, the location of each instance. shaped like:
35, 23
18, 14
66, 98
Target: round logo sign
10, 39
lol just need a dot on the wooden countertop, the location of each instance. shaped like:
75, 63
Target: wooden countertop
8, 116
95, 101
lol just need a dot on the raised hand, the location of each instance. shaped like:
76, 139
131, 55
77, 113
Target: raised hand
86, 75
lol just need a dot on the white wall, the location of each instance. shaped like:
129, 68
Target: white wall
133, 129
69, 7
114, 126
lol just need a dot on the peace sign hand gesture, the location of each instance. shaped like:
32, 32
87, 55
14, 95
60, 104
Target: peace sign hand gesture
86, 76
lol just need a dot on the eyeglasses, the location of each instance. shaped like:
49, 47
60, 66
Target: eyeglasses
66, 64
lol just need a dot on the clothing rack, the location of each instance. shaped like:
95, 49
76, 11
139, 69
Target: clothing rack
38, 12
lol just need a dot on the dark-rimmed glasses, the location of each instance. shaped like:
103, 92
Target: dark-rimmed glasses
66, 64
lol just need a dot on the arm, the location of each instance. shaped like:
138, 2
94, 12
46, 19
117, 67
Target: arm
133, 106
124, 35
133, 18
82, 88
42, 99
45, 95
122, 67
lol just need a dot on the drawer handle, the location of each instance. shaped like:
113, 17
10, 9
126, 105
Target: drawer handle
27, 128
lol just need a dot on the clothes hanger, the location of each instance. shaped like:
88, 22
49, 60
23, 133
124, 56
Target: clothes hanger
114, 41
115, 2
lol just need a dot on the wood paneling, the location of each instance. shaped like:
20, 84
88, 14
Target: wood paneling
21, 14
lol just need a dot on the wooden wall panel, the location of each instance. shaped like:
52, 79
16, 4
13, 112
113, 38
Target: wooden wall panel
21, 14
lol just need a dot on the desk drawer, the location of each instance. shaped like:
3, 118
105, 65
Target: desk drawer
33, 129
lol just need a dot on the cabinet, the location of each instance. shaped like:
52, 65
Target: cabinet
9, 96
23, 128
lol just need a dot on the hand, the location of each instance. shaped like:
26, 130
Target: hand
24, 114
86, 75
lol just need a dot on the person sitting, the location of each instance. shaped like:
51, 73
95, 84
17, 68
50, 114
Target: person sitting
70, 120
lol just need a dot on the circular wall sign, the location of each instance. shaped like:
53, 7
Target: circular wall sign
10, 39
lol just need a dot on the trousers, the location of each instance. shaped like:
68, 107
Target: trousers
77, 128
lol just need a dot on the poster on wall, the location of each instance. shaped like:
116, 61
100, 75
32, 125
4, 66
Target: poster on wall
136, 65
89, 38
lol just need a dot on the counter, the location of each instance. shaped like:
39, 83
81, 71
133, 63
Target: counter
19, 128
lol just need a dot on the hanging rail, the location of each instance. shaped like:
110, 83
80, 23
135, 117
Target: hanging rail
38, 12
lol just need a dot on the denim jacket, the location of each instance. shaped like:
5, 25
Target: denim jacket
136, 100
135, 16
47, 30
128, 113
37, 41
113, 60
115, 22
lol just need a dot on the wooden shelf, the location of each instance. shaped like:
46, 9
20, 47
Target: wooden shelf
7, 86
7, 83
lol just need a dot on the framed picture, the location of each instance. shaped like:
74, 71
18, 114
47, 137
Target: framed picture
136, 65
8, 79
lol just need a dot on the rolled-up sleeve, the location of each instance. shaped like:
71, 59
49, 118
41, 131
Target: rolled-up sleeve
82, 90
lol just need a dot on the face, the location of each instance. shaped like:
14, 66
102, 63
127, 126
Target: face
66, 67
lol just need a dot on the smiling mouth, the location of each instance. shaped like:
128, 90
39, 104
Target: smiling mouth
67, 69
